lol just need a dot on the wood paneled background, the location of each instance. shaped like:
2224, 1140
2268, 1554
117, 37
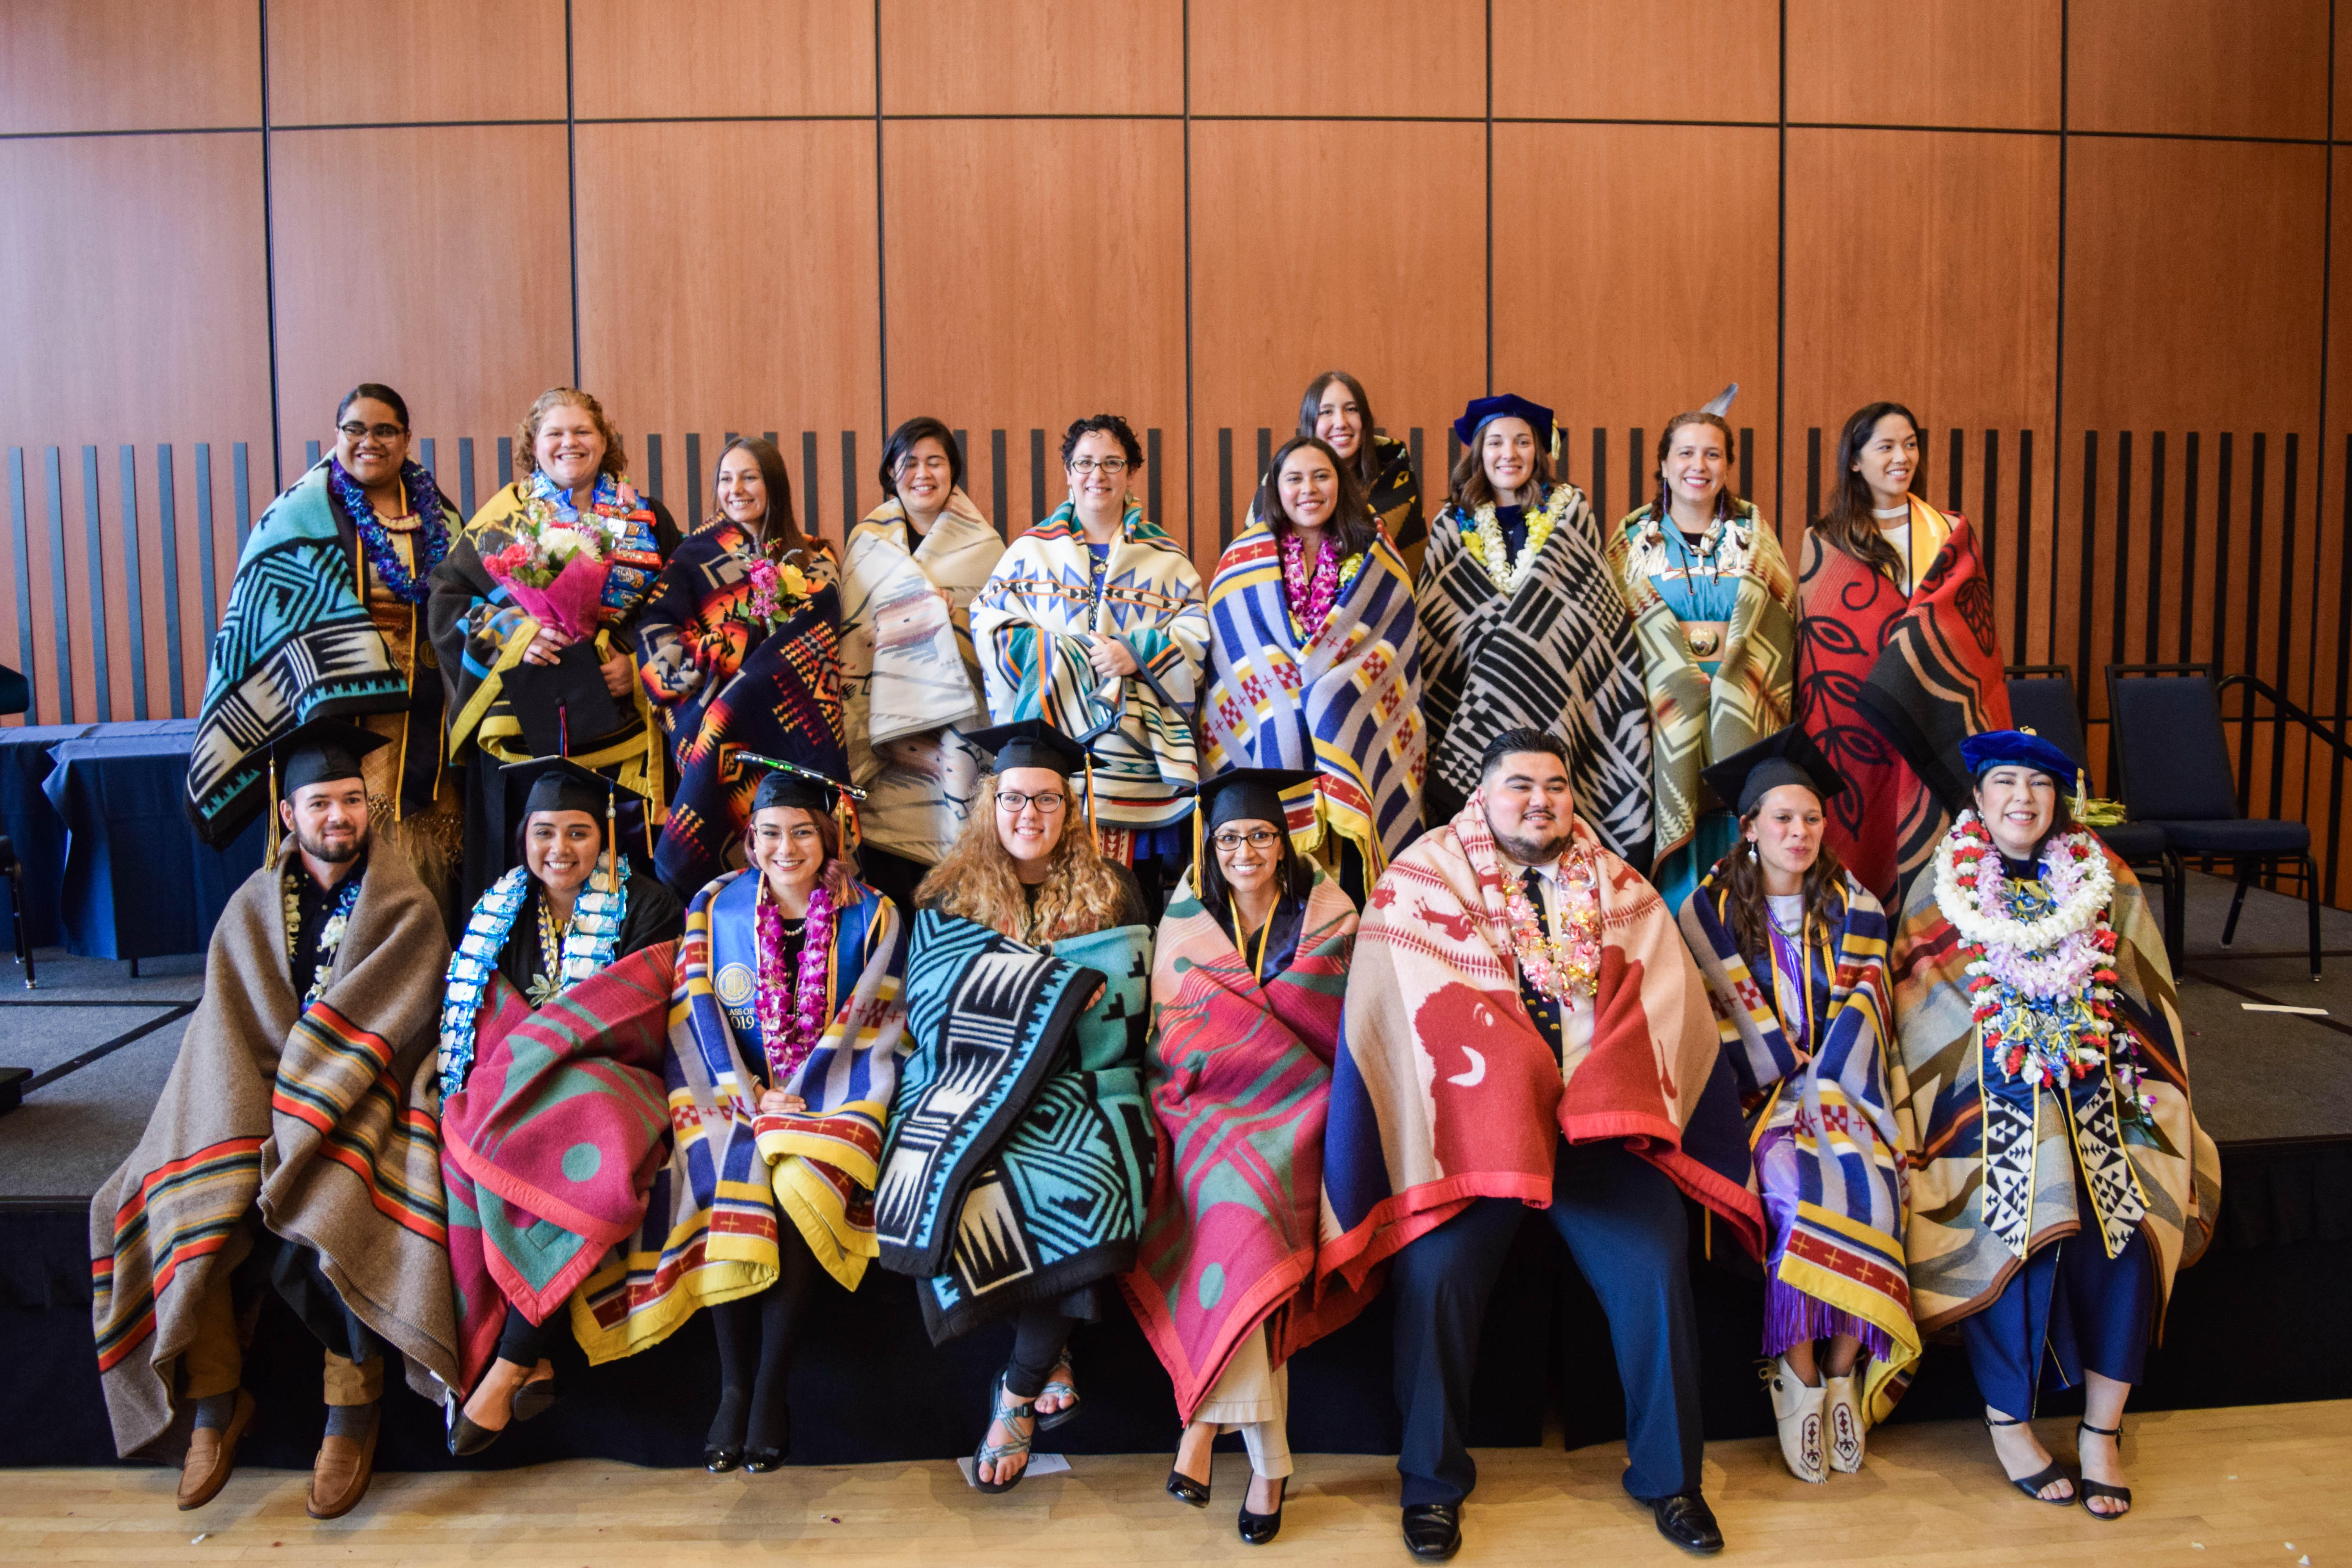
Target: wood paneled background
2096, 238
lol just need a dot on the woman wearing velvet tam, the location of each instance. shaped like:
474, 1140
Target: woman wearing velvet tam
1246, 977
2059, 1177
1807, 1046
1014, 1185
781, 1069
1521, 623
524, 1084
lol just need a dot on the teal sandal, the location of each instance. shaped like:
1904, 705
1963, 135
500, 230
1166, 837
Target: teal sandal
989, 1453
1063, 1386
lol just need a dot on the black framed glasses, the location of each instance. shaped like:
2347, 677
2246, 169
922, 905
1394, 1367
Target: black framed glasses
355, 430
1257, 838
1013, 801
1106, 465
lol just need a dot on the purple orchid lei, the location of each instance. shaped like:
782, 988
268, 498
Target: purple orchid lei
789, 1040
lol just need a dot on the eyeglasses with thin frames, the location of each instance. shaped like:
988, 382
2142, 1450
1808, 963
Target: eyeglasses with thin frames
1013, 801
1257, 838
355, 430
1089, 465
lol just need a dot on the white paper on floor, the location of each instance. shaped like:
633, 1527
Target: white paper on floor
1039, 1465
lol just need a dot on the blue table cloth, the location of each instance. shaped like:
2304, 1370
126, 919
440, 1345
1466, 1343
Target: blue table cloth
32, 824
137, 882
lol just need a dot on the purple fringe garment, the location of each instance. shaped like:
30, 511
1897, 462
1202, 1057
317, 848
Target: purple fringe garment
1791, 1317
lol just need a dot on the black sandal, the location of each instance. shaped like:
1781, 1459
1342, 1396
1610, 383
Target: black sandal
2090, 1489
2031, 1485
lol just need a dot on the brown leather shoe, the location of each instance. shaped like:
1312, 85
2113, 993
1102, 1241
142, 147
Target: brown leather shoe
212, 1456
339, 1475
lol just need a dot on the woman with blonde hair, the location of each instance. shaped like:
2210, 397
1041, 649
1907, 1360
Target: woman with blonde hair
1027, 993
522, 684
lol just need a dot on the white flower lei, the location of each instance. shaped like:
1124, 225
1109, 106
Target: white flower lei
2081, 885
1486, 533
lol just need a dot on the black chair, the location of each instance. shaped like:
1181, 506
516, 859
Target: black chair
2041, 699
2173, 768
15, 697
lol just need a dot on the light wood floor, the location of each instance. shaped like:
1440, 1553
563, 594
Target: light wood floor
2268, 1484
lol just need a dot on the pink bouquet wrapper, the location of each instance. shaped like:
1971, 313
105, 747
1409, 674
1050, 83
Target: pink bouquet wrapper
571, 604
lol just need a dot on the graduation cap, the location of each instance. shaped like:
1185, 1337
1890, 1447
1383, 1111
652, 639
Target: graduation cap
1031, 744
1249, 795
324, 750
1784, 757
559, 784
2015, 748
804, 789
1509, 404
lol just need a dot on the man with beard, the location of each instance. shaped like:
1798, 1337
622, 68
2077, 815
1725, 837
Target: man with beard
293, 1151
1525, 1030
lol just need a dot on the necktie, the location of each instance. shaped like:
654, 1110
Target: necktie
1540, 1007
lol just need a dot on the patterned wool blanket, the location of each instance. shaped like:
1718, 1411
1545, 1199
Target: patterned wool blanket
709, 1232
1888, 686
1560, 654
549, 1149
1695, 720
1030, 623
1345, 699
1240, 1075
910, 674
1959, 1260
1445, 1090
317, 1122
783, 701
297, 642
1846, 1246
1020, 1147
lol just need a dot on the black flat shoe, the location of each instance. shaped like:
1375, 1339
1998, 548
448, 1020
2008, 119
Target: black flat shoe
1257, 1529
533, 1398
720, 1457
1433, 1530
467, 1439
1687, 1521
1184, 1488
760, 1461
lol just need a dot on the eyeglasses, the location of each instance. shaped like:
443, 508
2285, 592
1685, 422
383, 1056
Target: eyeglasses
1013, 801
354, 430
1257, 838
1106, 465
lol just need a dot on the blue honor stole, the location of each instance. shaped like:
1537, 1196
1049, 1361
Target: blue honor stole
735, 963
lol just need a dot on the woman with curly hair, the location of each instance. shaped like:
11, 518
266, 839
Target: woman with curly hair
1027, 989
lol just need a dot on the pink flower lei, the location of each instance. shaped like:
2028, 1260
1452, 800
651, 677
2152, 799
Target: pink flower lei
1566, 968
787, 1041
1312, 594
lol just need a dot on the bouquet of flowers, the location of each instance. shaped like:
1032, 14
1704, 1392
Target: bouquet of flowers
557, 574
777, 592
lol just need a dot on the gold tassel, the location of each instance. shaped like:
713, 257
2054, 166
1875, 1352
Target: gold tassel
1093, 831
612, 839
2090, 810
269, 850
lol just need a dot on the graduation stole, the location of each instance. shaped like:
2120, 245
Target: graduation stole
588, 946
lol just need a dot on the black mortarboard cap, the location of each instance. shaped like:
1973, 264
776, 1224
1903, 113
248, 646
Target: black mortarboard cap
322, 752
1248, 795
559, 784
1784, 757
808, 790
1030, 743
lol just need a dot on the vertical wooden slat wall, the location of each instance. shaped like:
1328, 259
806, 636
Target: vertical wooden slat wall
2091, 242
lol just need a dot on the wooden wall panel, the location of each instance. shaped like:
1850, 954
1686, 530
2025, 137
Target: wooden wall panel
1276, 300
451, 282
1600, 316
646, 57
2331, 689
1359, 58
2199, 67
1033, 56
715, 300
1931, 62
333, 64
1637, 62
1061, 295
110, 65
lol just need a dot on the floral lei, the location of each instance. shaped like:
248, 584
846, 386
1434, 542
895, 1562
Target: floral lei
1311, 594
331, 934
2065, 958
1485, 531
789, 1041
1566, 968
430, 540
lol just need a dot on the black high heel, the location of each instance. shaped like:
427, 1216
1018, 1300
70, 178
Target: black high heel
1257, 1529
2089, 1488
2031, 1485
1185, 1490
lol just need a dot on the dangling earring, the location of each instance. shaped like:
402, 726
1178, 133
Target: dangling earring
1752, 853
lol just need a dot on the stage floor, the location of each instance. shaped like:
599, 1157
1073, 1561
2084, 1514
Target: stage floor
2257, 1077
2257, 1484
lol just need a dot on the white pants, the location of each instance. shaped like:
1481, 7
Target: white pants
1253, 1395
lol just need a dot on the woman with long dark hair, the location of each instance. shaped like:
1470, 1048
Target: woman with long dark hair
740, 648
1897, 658
1315, 662
1715, 609
1337, 411
1777, 920
911, 680
1247, 975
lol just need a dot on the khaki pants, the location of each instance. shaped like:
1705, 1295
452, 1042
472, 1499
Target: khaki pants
1253, 1395
214, 1362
